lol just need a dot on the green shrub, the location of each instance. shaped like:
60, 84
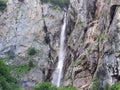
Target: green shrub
49, 86
32, 51
7, 82
96, 85
61, 3
31, 64
45, 1
116, 86
107, 86
3, 4
45, 86
20, 70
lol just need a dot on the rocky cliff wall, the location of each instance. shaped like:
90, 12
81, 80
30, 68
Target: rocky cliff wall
92, 40
93, 43
30, 24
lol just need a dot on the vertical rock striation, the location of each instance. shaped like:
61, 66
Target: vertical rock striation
25, 24
93, 43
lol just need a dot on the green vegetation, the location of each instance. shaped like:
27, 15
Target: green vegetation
45, 86
107, 86
102, 37
67, 88
96, 85
31, 64
115, 86
32, 51
89, 49
61, 3
74, 63
69, 77
20, 70
7, 82
3, 4
49, 86
78, 23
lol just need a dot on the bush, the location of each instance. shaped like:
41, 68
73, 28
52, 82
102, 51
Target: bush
32, 51
96, 85
7, 82
61, 3
107, 86
3, 4
116, 86
20, 70
31, 64
49, 86
45, 86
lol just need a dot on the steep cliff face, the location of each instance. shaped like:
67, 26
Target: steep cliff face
19, 24
92, 40
93, 43
29, 24
21, 27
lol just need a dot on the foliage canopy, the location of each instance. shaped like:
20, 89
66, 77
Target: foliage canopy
7, 82
49, 86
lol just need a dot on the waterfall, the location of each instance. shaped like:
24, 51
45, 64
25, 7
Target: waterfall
58, 73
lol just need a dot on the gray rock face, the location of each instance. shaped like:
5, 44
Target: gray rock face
93, 43
22, 26
52, 23
92, 40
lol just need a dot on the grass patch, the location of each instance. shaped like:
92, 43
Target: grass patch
20, 70
32, 51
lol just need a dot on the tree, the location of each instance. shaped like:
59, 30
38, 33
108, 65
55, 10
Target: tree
7, 82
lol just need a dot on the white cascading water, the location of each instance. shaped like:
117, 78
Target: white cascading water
58, 73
